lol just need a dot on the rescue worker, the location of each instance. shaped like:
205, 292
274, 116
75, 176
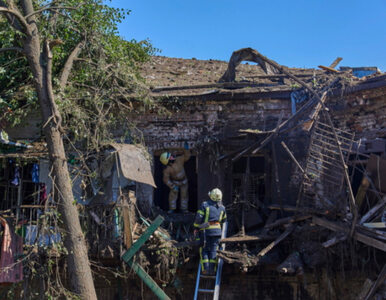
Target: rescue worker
208, 222
174, 177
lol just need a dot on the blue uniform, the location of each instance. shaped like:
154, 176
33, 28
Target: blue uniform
209, 219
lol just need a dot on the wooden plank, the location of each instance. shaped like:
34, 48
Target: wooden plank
358, 236
328, 69
246, 238
342, 143
375, 225
341, 137
337, 129
372, 232
293, 158
308, 125
263, 252
128, 237
373, 211
335, 62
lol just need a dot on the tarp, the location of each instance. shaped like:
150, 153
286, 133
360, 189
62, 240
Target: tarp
135, 163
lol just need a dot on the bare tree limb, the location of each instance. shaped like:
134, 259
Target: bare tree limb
55, 113
17, 49
68, 65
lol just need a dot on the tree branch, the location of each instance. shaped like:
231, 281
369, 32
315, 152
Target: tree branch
17, 49
68, 65
11, 15
49, 8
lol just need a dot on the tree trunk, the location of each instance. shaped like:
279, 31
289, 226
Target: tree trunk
77, 259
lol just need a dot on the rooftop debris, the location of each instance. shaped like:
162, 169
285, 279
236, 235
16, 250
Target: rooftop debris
325, 193
341, 179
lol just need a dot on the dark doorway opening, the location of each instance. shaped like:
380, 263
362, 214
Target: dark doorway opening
249, 192
161, 193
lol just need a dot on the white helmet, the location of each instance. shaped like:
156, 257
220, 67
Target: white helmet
215, 194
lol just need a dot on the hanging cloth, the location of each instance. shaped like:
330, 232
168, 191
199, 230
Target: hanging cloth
16, 179
35, 173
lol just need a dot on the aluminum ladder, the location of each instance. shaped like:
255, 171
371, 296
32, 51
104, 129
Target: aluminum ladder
216, 278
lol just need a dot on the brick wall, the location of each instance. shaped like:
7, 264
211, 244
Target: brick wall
198, 122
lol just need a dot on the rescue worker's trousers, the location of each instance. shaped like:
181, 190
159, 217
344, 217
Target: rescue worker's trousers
173, 195
208, 254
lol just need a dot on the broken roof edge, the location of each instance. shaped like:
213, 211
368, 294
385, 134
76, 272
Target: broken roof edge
273, 92
179, 74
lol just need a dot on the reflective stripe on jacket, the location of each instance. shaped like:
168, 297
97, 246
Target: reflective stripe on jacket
209, 217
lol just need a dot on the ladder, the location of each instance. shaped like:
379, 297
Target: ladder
216, 278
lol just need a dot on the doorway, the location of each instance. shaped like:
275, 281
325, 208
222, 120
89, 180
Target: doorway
161, 193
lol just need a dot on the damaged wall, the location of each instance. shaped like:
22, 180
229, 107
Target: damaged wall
198, 122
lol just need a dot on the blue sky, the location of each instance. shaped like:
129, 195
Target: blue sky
295, 33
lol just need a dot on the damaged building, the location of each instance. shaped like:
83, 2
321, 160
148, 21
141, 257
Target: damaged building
299, 155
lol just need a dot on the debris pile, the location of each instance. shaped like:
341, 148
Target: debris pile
327, 211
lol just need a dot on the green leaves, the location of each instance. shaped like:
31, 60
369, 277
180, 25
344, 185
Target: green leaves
103, 78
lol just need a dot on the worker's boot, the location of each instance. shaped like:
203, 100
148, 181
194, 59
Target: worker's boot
211, 269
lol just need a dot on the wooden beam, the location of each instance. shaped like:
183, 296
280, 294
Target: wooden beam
128, 236
373, 211
336, 62
247, 238
263, 252
328, 69
358, 236
294, 159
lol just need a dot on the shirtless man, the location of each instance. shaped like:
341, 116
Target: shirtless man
175, 178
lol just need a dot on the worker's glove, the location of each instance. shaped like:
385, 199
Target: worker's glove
175, 188
186, 146
195, 232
